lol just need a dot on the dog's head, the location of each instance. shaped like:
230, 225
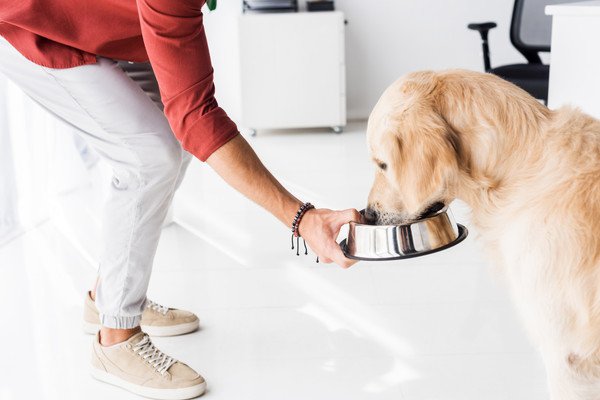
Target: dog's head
415, 151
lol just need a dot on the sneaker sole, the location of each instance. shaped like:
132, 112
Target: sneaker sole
173, 330
159, 394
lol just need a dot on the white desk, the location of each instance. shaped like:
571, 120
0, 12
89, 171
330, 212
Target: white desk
575, 62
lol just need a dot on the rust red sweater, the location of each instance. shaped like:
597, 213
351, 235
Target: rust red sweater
168, 33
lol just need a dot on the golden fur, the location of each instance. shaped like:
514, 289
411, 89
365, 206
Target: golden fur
530, 176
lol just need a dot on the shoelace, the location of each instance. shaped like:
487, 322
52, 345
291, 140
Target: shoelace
153, 356
157, 307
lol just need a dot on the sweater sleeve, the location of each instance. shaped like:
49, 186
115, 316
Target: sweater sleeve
174, 37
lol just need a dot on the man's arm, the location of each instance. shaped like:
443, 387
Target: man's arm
175, 41
237, 163
176, 44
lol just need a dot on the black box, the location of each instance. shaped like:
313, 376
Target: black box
320, 5
267, 6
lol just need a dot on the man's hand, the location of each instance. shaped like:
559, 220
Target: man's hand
320, 228
239, 166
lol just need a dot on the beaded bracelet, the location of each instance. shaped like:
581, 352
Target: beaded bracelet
296, 227
301, 211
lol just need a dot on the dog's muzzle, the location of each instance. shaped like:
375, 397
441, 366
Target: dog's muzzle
431, 210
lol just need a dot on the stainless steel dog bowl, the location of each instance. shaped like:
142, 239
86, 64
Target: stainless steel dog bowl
395, 242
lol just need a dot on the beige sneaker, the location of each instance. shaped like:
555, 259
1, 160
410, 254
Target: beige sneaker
139, 367
156, 320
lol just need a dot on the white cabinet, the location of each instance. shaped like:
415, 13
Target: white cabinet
292, 70
574, 75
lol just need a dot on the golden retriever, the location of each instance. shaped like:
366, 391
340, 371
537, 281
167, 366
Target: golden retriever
531, 177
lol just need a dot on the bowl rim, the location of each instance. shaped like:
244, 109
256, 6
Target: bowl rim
463, 232
444, 210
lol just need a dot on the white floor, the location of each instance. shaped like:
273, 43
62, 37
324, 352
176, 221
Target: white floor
274, 326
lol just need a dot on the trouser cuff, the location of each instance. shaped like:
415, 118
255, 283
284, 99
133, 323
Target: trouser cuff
119, 322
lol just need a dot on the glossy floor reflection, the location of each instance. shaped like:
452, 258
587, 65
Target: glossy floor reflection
274, 326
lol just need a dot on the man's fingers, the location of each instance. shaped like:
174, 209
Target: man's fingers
351, 215
339, 258
344, 262
335, 220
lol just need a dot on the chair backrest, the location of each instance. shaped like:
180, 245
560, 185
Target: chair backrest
531, 28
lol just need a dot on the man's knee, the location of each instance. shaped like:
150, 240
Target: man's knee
163, 164
155, 164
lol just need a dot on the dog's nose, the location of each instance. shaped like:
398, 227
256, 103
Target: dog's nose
370, 215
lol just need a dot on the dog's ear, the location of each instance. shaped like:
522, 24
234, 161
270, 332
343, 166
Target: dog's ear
420, 82
455, 141
428, 159
406, 94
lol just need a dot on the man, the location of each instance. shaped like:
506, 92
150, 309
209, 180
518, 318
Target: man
62, 54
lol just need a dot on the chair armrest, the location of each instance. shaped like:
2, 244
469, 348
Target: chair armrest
482, 27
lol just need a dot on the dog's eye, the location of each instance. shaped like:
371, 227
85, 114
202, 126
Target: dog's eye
382, 165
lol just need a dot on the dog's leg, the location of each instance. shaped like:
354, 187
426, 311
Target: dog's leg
570, 375
560, 382
574, 378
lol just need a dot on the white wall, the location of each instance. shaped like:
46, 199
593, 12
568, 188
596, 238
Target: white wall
385, 39
221, 30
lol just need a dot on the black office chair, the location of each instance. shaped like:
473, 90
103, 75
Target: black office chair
530, 33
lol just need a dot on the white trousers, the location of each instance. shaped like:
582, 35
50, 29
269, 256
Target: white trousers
9, 212
116, 109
